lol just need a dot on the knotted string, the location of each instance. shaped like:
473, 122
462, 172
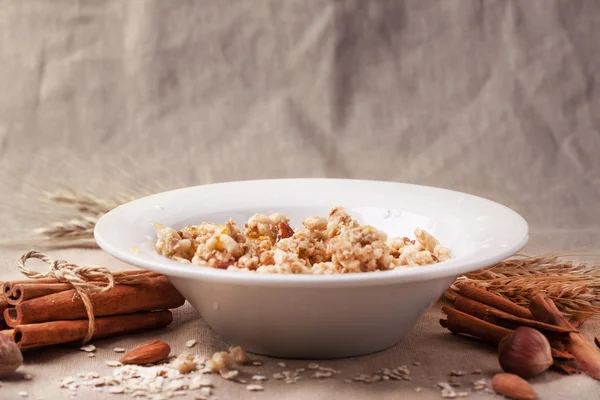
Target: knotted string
85, 280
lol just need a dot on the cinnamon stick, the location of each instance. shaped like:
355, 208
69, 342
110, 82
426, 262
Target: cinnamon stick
483, 296
587, 355
566, 368
506, 320
51, 333
151, 294
8, 288
31, 290
3, 306
556, 353
578, 319
460, 322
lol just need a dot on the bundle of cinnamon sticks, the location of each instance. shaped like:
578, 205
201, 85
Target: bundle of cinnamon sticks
44, 312
491, 317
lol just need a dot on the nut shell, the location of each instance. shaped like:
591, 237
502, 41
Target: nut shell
525, 352
10, 356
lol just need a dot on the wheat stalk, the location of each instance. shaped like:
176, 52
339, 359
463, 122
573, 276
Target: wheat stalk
81, 212
575, 288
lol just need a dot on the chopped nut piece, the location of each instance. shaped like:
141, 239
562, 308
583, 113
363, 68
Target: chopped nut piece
184, 363
190, 343
238, 355
255, 388
88, 348
220, 360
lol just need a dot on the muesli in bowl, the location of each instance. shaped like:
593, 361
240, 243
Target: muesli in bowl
337, 244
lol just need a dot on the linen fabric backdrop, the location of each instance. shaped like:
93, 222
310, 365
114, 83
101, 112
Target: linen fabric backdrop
496, 98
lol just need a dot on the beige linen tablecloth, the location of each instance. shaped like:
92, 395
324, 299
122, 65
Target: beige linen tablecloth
495, 98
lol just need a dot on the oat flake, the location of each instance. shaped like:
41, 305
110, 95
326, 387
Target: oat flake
88, 348
255, 388
190, 343
112, 363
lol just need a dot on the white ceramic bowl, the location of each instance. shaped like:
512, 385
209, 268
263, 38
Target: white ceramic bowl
306, 316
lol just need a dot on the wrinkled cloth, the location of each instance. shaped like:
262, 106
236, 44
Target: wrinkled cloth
495, 98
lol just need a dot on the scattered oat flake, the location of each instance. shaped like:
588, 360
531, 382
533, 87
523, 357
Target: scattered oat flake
200, 397
321, 374
119, 350
259, 378
278, 375
27, 377
191, 343
256, 363
447, 391
348, 380
313, 366
457, 372
418, 389
476, 371
116, 390
462, 394
23, 393
255, 388
416, 363
91, 355
229, 374
112, 363
281, 364
88, 348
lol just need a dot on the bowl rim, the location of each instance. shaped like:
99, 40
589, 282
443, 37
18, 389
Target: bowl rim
446, 269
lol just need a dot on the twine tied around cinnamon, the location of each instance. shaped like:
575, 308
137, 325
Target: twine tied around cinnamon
85, 280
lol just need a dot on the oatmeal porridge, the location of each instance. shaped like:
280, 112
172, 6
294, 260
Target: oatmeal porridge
268, 244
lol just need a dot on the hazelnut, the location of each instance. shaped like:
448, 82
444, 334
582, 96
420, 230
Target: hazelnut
525, 352
10, 355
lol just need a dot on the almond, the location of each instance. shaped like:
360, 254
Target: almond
513, 386
147, 353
